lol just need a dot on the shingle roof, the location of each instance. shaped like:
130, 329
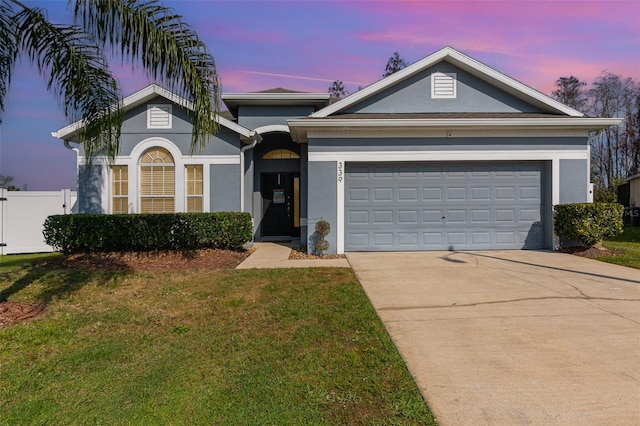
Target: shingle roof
279, 90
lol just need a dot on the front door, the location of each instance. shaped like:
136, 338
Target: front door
280, 204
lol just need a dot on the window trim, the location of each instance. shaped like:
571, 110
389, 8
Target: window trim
187, 181
124, 184
166, 167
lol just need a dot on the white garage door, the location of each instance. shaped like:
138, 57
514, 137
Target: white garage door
443, 206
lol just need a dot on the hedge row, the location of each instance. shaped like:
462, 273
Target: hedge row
88, 233
588, 223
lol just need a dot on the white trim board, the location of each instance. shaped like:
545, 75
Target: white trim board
413, 156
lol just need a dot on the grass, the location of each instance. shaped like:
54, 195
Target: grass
286, 347
628, 246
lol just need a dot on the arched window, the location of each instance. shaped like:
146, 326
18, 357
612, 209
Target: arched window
280, 154
157, 181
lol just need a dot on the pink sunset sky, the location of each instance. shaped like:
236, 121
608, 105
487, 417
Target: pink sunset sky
306, 45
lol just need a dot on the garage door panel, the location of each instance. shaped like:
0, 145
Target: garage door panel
530, 193
383, 172
481, 238
441, 206
530, 215
456, 216
358, 194
432, 217
456, 193
432, 194
382, 217
408, 194
408, 239
505, 193
383, 194
432, 239
356, 217
480, 193
480, 216
383, 239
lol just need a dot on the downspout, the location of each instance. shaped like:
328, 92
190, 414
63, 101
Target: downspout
256, 140
77, 151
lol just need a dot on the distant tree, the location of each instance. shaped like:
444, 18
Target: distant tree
72, 60
395, 64
337, 90
570, 91
615, 152
5, 181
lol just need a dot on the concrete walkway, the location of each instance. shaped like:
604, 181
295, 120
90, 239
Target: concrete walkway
512, 337
275, 255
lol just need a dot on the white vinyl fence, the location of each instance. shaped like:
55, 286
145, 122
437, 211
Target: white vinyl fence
22, 216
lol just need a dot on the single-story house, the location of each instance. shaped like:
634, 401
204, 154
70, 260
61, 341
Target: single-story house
446, 154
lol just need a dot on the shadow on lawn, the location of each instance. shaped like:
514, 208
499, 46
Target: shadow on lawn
58, 279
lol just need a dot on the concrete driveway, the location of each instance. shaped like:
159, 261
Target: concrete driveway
512, 337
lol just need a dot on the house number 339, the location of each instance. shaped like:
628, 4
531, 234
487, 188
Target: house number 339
340, 171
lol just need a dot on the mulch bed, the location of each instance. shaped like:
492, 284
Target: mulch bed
300, 253
154, 261
13, 312
589, 252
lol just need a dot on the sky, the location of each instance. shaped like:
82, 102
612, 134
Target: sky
306, 45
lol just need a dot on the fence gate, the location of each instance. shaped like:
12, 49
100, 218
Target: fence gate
22, 216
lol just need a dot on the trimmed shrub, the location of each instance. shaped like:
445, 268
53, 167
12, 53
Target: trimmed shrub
322, 230
588, 223
88, 233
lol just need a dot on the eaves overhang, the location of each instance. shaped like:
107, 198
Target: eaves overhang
300, 128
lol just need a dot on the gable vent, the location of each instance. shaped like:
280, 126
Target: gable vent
159, 116
443, 86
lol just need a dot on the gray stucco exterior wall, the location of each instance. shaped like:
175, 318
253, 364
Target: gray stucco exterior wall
253, 117
90, 189
225, 187
414, 95
574, 175
249, 170
134, 130
323, 196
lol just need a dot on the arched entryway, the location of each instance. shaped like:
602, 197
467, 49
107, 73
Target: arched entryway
277, 179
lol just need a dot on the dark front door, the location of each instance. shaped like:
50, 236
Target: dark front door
280, 204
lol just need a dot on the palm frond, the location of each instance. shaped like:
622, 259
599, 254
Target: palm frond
77, 73
166, 47
8, 50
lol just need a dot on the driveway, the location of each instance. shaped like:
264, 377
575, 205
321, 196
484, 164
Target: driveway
512, 337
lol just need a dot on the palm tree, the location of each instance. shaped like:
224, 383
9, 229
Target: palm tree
72, 60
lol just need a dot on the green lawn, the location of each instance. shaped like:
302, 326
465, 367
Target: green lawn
628, 244
253, 347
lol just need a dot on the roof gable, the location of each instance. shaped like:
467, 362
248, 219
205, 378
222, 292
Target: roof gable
148, 94
502, 93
